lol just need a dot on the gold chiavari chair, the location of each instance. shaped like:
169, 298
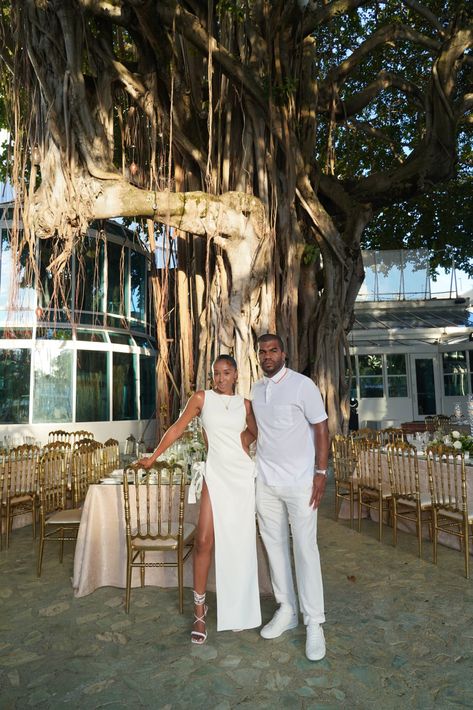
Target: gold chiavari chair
390, 435
430, 423
410, 500
442, 423
80, 442
57, 522
59, 435
21, 486
81, 434
344, 468
3, 490
83, 465
452, 511
363, 434
111, 456
154, 522
374, 492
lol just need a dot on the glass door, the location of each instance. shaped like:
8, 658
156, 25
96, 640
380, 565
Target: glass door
425, 398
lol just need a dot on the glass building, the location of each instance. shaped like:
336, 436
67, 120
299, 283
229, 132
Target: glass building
411, 345
82, 357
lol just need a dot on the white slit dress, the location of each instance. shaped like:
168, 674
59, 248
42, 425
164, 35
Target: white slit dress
230, 478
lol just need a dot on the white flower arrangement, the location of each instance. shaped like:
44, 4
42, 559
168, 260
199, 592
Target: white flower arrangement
456, 435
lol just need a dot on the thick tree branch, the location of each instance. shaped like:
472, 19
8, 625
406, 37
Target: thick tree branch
316, 15
388, 33
426, 14
354, 104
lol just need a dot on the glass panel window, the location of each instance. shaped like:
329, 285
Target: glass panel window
370, 368
14, 385
455, 374
91, 336
52, 397
90, 278
147, 386
92, 391
124, 386
397, 375
24, 292
50, 297
138, 285
117, 269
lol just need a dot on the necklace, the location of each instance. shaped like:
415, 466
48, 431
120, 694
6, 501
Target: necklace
228, 403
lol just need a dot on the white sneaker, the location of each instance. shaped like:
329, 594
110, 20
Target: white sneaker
315, 642
284, 619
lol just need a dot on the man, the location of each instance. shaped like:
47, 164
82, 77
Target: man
292, 455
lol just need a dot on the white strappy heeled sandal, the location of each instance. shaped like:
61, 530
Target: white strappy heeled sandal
199, 637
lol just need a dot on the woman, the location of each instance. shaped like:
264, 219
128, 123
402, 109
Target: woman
227, 507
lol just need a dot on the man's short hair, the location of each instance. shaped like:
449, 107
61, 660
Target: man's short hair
266, 337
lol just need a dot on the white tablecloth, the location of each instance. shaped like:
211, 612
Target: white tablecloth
100, 555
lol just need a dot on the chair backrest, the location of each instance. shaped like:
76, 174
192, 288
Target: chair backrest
368, 457
80, 442
81, 434
22, 473
403, 469
390, 434
447, 478
111, 456
83, 473
430, 423
59, 435
52, 482
3, 474
442, 423
365, 433
344, 459
154, 503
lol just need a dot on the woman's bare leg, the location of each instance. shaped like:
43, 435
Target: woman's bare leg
203, 546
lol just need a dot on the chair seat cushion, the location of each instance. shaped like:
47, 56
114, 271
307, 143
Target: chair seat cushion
19, 500
71, 516
162, 543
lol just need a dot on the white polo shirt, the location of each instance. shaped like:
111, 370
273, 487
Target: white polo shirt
285, 407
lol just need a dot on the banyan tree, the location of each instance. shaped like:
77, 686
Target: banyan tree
263, 134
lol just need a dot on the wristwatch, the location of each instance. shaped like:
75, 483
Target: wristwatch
321, 471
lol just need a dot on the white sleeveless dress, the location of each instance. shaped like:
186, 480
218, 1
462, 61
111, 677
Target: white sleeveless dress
230, 478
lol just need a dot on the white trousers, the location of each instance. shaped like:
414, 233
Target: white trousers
277, 508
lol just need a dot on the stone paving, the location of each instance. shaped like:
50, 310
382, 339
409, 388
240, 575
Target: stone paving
399, 634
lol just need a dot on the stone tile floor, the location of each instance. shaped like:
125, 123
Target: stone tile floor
399, 634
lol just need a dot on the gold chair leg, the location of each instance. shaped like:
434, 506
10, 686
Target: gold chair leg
380, 531
40, 556
142, 568
180, 582
394, 511
352, 506
61, 547
360, 506
419, 530
128, 585
434, 537
7, 525
466, 548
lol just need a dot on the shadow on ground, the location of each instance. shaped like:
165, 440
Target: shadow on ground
399, 634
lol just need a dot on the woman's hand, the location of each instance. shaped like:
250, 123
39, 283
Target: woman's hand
146, 463
246, 438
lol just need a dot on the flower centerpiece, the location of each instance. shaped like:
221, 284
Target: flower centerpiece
461, 442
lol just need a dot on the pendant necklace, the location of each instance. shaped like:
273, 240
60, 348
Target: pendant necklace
226, 405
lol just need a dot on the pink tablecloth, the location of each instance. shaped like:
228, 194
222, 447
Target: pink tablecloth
100, 556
